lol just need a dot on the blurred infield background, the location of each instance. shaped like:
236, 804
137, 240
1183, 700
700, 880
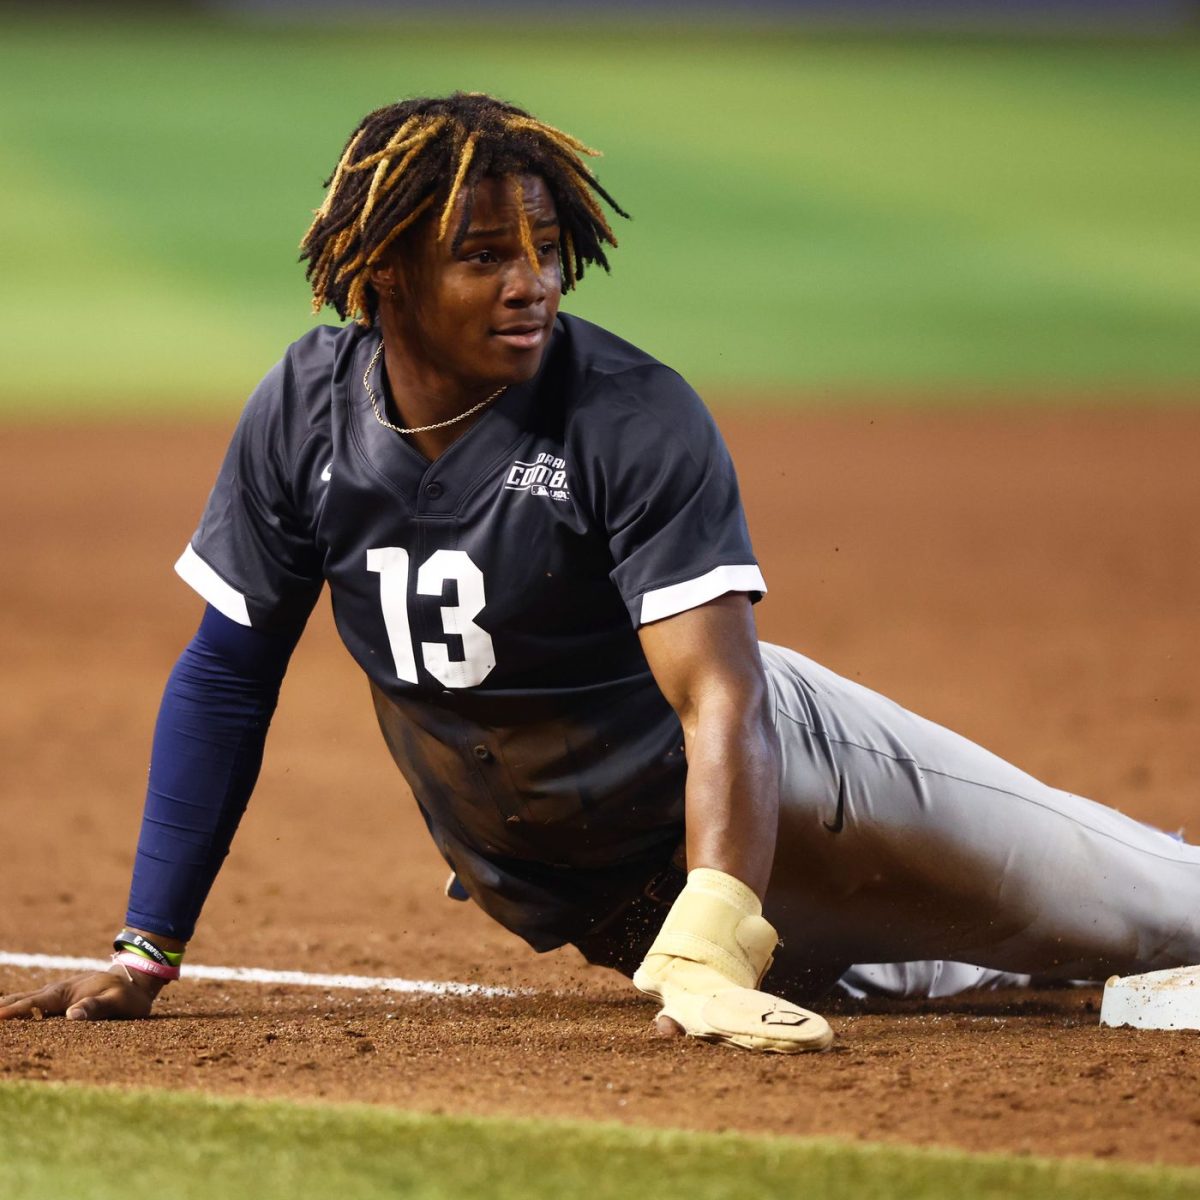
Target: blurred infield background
819, 216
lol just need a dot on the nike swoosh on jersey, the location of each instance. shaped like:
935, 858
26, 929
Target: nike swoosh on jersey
325, 473
839, 817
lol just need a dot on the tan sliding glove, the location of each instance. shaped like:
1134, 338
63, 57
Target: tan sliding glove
706, 964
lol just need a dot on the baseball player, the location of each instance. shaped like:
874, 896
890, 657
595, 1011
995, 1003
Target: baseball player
535, 549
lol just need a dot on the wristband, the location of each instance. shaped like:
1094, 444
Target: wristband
128, 940
147, 966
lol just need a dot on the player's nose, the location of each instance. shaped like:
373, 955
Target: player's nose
523, 285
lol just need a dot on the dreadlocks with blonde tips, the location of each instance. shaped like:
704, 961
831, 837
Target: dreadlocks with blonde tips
420, 155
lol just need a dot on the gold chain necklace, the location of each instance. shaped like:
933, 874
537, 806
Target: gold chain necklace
418, 428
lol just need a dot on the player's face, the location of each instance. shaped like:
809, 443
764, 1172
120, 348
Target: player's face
482, 314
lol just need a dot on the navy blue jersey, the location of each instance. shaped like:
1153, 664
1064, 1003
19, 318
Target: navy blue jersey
493, 597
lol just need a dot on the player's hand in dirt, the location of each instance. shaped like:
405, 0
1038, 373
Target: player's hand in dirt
98, 996
703, 1003
705, 967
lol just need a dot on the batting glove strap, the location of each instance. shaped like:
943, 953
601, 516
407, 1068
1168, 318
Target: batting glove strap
717, 921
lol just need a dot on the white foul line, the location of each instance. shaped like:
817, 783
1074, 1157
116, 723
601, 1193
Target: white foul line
361, 983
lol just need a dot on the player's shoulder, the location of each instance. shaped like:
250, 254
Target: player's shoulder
608, 381
297, 391
313, 365
288, 416
599, 359
602, 368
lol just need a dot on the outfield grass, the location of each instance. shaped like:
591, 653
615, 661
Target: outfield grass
809, 214
58, 1141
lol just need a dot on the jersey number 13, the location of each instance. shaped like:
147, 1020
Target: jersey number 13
479, 655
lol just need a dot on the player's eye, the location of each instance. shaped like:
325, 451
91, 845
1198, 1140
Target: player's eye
486, 257
547, 248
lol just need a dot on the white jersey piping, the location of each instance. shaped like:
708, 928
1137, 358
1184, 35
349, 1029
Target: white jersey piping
199, 576
679, 597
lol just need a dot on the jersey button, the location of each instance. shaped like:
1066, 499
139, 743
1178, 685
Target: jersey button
483, 753
433, 490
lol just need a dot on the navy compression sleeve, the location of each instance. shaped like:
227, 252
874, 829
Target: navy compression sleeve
208, 747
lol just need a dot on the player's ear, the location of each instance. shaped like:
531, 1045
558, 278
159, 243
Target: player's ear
385, 279
393, 282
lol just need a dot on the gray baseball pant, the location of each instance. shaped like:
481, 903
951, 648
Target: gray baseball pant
901, 842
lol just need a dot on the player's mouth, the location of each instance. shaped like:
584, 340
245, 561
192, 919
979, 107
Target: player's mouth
522, 335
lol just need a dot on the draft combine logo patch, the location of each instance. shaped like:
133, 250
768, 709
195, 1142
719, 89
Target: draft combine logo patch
545, 476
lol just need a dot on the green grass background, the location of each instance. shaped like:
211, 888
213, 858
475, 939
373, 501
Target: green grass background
917, 218
58, 1141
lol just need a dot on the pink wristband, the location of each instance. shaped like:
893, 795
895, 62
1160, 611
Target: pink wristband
147, 966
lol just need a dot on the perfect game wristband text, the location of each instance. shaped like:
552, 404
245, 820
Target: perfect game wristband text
133, 951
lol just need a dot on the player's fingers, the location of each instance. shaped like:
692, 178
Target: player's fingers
665, 1027
90, 1008
108, 1006
113, 1003
85, 998
24, 1004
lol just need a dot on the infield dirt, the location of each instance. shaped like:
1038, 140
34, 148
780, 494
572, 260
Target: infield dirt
1030, 579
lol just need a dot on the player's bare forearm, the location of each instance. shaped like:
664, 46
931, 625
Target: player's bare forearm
732, 788
706, 661
708, 960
